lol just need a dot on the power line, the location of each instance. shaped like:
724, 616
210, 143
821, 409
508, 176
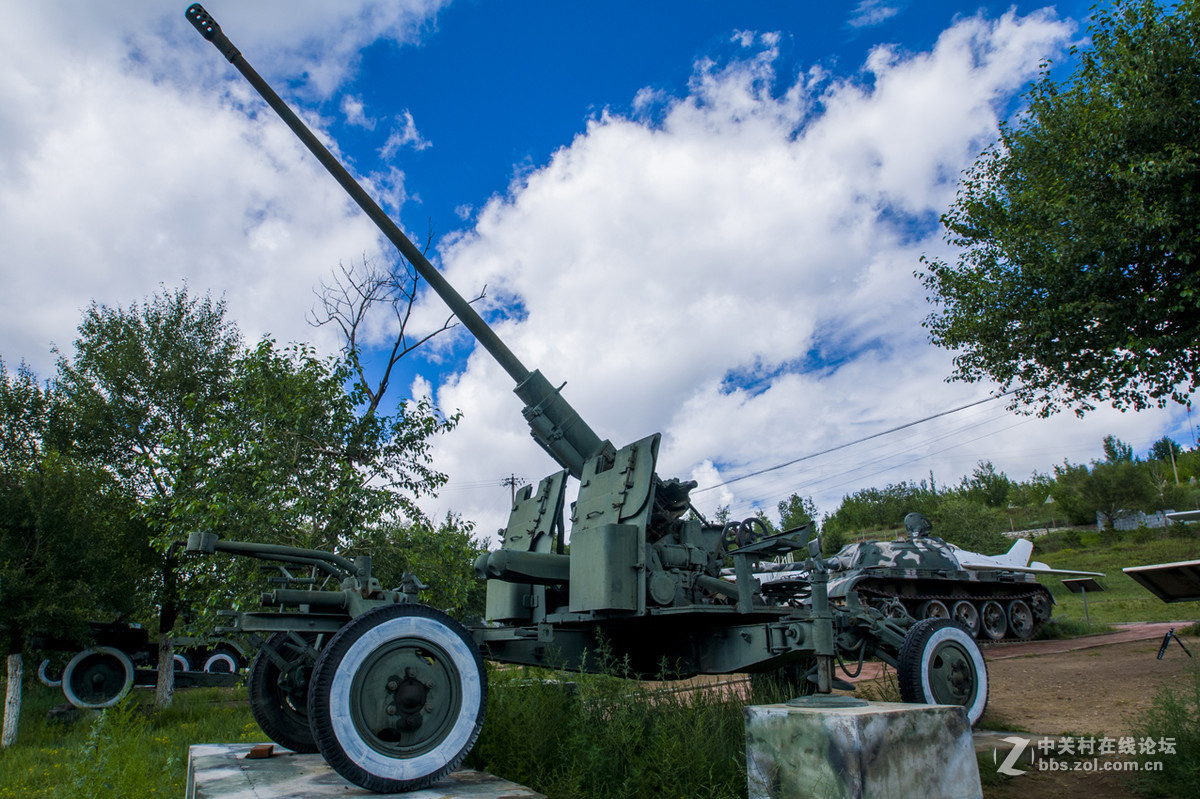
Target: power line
857, 441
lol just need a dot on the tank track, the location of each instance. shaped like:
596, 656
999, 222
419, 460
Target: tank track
910, 600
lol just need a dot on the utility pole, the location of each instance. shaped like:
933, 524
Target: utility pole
512, 481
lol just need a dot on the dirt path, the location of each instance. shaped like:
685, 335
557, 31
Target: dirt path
1096, 685
1093, 685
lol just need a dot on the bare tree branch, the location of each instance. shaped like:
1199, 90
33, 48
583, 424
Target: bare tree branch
348, 299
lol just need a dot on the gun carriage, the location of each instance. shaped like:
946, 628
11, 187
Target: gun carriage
393, 693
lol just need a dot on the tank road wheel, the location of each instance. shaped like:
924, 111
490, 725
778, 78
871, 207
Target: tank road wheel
1020, 619
933, 609
1040, 605
965, 614
97, 677
940, 663
993, 620
279, 690
398, 698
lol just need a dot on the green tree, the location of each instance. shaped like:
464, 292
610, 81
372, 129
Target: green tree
971, 525
441, 556
987, 486
1109, 488
143, 380
298, 456
1116, 450
71, 550
796, 511
1077, 280
1165, 449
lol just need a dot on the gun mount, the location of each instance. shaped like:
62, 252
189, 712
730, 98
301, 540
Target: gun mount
393, 693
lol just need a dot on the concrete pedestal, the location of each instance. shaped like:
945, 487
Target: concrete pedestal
877, 750
222, 771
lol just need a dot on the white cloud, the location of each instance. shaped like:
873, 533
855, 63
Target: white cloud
404, 134
128, 160
872, 12
355, 112
740, 277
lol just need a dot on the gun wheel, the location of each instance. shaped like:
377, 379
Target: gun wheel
278, 683
224, 661
940, 664
97, 677
50, 674
398, 698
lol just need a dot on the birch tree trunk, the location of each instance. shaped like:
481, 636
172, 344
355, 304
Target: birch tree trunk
164, 692
12, 700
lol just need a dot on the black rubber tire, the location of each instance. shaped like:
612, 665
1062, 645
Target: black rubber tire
223, 661
935, 651
49, 674
277, 708
359, 725
98, 677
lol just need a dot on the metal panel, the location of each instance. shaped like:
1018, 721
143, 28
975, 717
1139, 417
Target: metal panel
1170, 582
605, 568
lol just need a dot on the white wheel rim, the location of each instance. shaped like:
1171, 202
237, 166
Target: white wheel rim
342, 724
968, 645
44, 677
121, 658
220, 657
181, 662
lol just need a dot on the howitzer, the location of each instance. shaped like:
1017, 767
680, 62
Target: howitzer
393, 693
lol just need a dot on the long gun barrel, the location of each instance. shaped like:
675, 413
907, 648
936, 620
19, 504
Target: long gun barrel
554, 424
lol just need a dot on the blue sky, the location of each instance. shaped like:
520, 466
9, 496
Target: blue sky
703, 216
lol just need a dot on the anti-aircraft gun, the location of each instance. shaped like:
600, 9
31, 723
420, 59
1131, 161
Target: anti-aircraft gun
393, 693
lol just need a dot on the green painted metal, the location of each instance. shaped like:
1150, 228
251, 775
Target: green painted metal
639, 571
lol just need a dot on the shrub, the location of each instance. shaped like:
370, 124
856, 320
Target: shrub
1144, 535
1180, 530
576, 736
1175, 714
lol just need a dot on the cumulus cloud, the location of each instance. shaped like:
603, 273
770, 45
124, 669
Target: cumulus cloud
134, 156
739, 276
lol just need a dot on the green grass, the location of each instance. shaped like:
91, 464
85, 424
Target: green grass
579, 736
1122, 600
1175, 714
130, 751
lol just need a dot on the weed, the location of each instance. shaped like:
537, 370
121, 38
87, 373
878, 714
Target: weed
1174, 715
1065, 627
131, 750
601, 735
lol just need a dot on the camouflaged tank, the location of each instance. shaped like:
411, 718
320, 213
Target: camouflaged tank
995, 598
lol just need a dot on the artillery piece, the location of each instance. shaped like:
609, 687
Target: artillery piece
393, 693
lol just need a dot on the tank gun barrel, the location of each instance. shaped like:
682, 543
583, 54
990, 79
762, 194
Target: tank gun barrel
554, 424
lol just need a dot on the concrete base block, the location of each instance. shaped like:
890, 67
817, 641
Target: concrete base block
222, 771
877, 750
